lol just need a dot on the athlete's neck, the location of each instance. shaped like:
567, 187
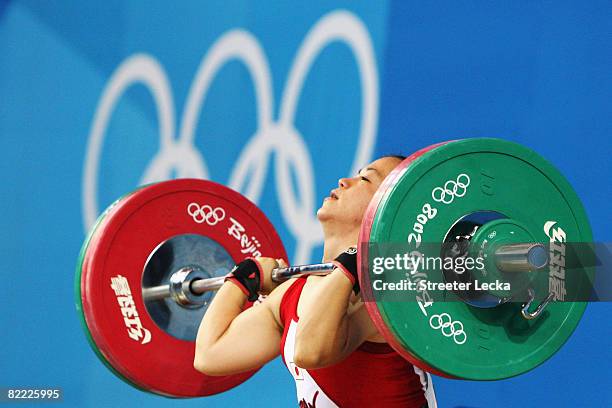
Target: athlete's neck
336, 243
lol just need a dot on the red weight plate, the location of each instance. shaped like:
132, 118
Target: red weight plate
79, 304
362, 256
112, 271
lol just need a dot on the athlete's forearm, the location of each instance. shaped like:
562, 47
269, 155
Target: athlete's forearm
322, 335
227, 304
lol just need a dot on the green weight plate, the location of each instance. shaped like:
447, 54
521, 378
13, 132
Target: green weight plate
460, 178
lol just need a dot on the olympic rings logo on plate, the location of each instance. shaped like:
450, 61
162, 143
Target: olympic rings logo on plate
206, 213
449, 328
275, 138
451, 189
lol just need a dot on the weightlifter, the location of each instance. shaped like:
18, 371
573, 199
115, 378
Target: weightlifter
318, 324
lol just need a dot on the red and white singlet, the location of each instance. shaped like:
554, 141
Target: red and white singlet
372, 376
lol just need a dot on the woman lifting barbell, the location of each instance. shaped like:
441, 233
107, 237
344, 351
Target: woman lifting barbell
147, 270
317, 323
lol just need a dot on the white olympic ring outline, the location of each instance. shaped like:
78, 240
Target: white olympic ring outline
444, 322
205, 213
278, 138
452, 192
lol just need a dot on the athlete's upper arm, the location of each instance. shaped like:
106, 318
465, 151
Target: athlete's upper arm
360, 329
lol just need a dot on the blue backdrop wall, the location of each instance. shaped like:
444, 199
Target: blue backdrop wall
99, 97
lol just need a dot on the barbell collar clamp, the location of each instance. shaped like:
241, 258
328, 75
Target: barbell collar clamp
536, 313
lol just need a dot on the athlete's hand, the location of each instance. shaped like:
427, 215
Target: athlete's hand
267, 265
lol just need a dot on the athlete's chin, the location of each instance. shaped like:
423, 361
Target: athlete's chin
321, 214
324, 213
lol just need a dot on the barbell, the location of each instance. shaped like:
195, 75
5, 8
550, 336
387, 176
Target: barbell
151, 263
186, 284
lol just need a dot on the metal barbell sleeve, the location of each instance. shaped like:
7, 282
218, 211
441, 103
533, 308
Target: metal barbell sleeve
521, 257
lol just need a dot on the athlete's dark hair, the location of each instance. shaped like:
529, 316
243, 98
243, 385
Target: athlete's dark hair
397, 156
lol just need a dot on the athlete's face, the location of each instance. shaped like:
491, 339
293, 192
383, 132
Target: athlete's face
348, 202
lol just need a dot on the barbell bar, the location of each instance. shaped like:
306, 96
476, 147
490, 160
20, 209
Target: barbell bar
521, 257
